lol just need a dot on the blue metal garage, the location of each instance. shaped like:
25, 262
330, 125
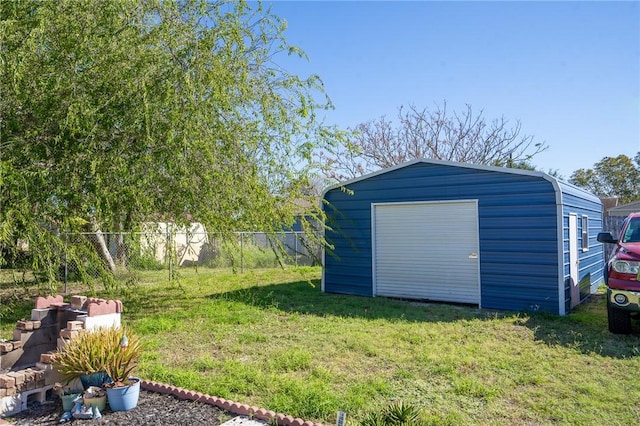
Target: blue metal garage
488, 236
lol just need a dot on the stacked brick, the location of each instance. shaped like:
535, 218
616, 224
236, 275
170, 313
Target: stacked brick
26, 369
97, 307
15, 382
26, 335
9, 346
18, 386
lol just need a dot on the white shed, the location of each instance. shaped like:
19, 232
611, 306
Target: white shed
186, 242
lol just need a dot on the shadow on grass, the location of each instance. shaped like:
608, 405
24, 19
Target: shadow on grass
305, 297
584, 330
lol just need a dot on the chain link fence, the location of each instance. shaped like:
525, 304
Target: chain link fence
170, 250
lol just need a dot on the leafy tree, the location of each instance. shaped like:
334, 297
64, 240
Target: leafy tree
612, 177
117, 112
466, 137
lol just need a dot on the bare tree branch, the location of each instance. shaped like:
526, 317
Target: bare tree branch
463, 136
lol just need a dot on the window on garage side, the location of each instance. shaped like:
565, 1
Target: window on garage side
585, 233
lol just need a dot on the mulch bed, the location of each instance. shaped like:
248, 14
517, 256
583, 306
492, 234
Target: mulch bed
153, 409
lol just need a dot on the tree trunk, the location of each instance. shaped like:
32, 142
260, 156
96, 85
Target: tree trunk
103, 250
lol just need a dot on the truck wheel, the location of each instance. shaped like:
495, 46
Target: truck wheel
619, 320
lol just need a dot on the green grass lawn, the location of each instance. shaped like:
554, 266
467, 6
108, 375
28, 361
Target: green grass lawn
272, 339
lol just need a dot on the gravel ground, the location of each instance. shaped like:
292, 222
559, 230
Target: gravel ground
153, 409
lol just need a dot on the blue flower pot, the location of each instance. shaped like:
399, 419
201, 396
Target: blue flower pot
124, 398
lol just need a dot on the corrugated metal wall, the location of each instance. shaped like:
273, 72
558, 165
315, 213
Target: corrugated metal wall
518, 228
591, 261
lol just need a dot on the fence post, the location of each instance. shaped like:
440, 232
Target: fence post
295, 252
66, 263
242, 252
170, 248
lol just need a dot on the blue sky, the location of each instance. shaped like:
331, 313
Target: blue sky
569, 71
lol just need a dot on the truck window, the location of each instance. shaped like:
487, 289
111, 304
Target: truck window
632, 233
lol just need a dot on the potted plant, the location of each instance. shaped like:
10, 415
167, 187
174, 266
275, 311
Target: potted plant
103, 357
82, 358
124, 350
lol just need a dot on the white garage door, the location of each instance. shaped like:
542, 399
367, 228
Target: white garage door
427, 251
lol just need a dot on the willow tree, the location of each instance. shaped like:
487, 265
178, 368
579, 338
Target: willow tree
117, 112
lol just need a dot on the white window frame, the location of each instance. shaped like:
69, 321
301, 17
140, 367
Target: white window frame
584, 224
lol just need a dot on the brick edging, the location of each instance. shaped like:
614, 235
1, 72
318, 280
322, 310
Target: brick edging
224, 404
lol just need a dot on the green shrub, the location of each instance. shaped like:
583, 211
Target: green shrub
145, 260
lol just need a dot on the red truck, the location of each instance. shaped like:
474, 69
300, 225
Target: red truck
622, 275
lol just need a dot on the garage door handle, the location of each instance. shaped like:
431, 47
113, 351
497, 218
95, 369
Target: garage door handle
473, 255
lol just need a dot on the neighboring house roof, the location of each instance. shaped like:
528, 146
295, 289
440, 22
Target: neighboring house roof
625, 209
608, 203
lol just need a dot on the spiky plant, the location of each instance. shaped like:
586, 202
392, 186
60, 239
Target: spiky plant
396, 414
114, 351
